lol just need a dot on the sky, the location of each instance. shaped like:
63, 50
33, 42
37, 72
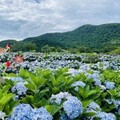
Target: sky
20, 19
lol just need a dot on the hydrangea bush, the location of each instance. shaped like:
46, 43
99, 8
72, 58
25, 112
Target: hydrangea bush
59, 87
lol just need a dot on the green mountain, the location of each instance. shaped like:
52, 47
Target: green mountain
101, 38
5, 42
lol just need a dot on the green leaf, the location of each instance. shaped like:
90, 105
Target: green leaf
23, 73
53, 109
89, 114
5, 99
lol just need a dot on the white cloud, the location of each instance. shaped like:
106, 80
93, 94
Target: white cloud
24, 18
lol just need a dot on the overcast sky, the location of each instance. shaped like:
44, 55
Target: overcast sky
25, 18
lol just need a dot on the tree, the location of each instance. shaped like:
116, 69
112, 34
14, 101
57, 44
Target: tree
30, 46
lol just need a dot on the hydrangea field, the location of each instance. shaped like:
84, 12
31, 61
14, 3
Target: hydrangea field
59, 86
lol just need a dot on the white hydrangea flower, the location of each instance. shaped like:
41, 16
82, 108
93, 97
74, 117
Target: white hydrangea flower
109, 101
102, 87
2, 115
59, 97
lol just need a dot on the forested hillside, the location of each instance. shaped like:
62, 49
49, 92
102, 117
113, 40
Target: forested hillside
87, 38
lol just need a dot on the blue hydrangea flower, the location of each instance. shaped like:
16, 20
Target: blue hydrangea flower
97, 82
117, 104
21, 112
72, 107
110, 85
77, 84
73, 71
106, 116
17, 79
40, 114
64, 117
19, 88
93, 107
96, 78
26, 112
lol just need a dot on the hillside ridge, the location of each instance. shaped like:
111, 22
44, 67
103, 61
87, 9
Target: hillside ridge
94, 37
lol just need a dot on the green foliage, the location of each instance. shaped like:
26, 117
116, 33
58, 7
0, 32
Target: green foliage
6, 100
28, 46
43, 83
91, 58
48, 49
86, 93
113, 76
53, 109
5, 42
116, 51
